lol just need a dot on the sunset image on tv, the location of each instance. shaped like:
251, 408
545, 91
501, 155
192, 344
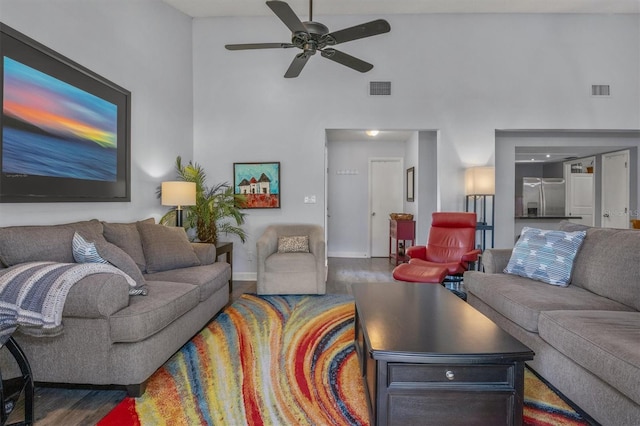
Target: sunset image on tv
51, 128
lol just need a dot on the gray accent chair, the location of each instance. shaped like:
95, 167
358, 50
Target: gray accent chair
291, 273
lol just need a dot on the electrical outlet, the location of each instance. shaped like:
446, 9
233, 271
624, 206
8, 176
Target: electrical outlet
310, 199
250, 256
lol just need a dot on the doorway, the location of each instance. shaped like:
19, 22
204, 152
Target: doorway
615, 190
385, 178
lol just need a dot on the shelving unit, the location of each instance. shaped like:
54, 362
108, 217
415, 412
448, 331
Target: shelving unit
401, 230
479, 204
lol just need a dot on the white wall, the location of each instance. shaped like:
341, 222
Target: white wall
462, 75
143, 46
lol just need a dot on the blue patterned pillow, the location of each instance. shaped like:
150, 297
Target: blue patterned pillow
545, 255
85, 251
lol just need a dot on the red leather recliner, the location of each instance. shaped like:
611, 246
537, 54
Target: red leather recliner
449, 251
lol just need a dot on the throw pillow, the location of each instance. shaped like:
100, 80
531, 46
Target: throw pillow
126, 236
166, 248
103, 252
121, 260
85, 251
545, 255
294, 244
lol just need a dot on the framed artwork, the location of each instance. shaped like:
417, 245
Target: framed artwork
410, 183
64, 130
259, 183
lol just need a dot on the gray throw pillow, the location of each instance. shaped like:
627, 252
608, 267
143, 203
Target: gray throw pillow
166, 247
101, 251
127, 237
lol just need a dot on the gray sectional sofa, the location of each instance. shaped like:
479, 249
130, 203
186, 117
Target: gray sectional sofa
110, 337
586, 336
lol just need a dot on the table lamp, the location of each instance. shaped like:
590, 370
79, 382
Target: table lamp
178, 194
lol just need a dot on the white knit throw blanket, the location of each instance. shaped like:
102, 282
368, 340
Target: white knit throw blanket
32, 295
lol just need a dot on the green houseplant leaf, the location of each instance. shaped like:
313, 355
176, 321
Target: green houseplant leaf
217, 208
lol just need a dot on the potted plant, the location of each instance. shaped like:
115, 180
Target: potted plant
217, 208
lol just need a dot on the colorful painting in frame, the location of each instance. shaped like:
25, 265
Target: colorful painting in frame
64, 130
259, 183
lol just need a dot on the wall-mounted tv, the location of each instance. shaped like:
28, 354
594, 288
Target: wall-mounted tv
64, 130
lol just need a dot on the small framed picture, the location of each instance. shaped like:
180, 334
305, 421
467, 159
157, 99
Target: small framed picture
410, 184
259, 183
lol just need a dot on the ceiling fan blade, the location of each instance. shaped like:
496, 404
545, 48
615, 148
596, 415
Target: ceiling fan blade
258, 46
296, 66
287, 15
347, 60
379, 26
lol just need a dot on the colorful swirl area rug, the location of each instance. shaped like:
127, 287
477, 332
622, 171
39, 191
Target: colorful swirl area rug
280, 360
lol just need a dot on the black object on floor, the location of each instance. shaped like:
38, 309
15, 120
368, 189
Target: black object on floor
11, 389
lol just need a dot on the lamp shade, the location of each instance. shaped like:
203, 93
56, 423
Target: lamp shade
480, 181
178, 193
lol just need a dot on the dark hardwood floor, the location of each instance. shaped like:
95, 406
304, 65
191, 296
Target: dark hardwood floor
60, 406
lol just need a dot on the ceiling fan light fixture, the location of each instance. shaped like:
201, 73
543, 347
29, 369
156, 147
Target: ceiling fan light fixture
372, 133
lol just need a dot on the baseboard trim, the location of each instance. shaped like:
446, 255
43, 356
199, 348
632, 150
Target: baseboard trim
347, 254
245, 276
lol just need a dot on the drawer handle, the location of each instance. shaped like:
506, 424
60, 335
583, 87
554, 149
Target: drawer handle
449, 374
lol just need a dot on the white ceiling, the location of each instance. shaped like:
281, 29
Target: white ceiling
208, 8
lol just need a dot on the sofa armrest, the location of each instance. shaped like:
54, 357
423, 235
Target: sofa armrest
495, 260
317, 247
206, 252
97, 296
266, 245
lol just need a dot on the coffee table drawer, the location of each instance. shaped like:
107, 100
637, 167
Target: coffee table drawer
440, 407
454, 374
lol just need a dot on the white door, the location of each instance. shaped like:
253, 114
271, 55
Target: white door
385, 195
581, 198
615, 190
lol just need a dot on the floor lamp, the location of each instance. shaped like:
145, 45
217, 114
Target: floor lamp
480, 189
178, 194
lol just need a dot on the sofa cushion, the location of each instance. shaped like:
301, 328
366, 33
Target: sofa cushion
290, 262
145, 316
20, 244
166, 247
545, 255
521, 299
208, 278
605, 343
126, 236
608, 264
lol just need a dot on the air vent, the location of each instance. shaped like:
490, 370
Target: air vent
600, 90
380, 88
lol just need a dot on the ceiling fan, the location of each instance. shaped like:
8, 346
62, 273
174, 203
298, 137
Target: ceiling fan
312, 37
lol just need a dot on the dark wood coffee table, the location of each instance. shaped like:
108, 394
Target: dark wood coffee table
427, 357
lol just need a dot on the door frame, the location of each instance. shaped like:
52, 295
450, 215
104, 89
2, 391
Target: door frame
400, 161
